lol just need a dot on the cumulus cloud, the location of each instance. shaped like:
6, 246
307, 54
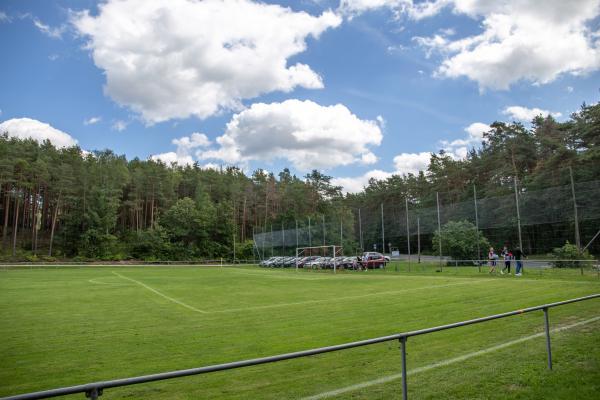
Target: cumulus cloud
304, 133
413, 163
92, 120
178, 58
459, 148
525, 114
172, 157
27, 128
521, 41
185, 146
358, 183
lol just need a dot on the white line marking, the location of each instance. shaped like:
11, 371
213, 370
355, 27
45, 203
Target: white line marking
464, 357
162, 295
99, 282
358, 296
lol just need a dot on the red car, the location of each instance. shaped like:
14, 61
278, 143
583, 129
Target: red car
372, 260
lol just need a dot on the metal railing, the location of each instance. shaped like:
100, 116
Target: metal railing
95, 389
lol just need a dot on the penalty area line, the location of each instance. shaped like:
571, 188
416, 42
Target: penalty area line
161, 294
444, 363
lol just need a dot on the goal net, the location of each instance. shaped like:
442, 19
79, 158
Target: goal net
319, 257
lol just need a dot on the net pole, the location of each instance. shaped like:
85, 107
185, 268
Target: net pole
296, 248
323, 224
341, 233
263, 242
334, 261
309, 235
296, 234
476, 223
382, 232
282, 240
437, 197
419, 239
577, 237
518, 214
407, 232
272, 251
362, 247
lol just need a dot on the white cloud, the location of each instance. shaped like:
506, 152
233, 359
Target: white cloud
459, 148
519, 113
476, 130
172, 157
178, 58
358, 183
92, 120
4, 17
404, 163
119, 126
411, 163
520, 39
185, 146
302, 132
570, 89
53, 32
27, 128
191, 142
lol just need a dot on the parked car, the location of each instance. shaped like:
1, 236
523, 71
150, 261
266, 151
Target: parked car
371, 259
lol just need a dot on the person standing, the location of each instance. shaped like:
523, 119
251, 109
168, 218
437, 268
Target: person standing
507, 255
492, 257
519, 255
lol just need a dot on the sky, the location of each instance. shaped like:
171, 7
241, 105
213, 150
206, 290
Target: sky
354, 88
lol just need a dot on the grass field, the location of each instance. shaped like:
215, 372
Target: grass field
67, 326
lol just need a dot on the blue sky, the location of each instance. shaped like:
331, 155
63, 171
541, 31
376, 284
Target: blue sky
357, 88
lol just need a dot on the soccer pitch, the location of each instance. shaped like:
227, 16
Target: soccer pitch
68, 326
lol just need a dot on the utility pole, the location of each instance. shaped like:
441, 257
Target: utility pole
577, 238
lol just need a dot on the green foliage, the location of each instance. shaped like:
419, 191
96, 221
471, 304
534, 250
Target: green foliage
570, 252
459, 240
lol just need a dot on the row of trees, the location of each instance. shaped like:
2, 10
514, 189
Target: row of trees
69, 203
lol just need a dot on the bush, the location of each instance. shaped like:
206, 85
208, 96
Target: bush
459, 240
569, 252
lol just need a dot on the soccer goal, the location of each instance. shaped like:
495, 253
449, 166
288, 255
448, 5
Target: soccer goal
322, 256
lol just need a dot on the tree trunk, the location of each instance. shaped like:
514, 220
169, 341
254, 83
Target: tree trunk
15, 227
54, 217
6, 213
34, 222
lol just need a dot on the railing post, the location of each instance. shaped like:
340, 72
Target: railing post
94, 393
547, 324
404, 384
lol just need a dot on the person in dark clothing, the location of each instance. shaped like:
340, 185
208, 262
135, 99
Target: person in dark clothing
519, 255
507, 255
